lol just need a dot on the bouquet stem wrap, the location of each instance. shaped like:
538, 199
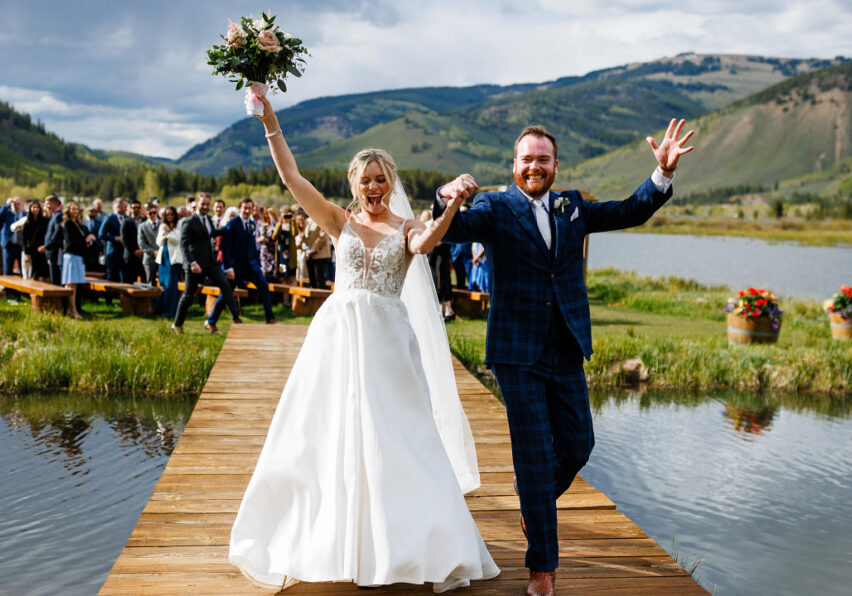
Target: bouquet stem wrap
254, 90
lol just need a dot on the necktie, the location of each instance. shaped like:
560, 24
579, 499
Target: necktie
207, 225
543, 221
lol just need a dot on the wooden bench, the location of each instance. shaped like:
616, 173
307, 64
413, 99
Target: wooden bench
134, 300
304, 302
212, 293
471, 305
44, 296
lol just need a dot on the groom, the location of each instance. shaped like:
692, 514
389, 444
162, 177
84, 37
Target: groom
539, 328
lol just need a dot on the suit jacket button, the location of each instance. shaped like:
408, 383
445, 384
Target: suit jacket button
552, 275
548, 305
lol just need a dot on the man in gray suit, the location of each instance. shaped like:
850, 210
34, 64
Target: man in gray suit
147, 237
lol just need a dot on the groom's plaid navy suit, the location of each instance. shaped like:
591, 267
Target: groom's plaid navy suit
536, 354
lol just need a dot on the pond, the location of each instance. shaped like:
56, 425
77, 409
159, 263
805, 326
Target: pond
761, 491
787, 269
76, 474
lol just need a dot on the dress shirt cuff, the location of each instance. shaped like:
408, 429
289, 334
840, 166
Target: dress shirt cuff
229, 270
661, 182
438, 196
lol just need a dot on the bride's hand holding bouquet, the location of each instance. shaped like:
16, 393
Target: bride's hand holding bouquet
259, 55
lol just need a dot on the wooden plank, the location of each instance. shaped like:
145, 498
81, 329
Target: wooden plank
32, 286
180, 543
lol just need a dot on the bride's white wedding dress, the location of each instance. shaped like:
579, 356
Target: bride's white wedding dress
353, 482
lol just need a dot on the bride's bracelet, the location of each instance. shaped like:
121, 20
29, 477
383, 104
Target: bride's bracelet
272, 134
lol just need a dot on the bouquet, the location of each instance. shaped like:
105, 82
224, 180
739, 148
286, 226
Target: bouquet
259, 54
840, 303
756, 302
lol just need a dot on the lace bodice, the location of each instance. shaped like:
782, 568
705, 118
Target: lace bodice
380, 269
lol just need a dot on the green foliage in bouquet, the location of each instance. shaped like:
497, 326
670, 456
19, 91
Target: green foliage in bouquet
257, 50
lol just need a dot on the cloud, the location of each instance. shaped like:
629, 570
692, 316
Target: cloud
151, 131
125, 62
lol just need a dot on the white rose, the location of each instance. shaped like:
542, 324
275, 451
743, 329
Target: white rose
259, 24
268, 41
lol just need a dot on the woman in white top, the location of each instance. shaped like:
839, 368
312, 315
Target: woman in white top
170, 260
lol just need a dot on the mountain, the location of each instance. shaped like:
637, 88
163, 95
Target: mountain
29, 153
593, 113
795, 136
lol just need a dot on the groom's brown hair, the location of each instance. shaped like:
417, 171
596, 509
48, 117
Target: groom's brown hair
537, 130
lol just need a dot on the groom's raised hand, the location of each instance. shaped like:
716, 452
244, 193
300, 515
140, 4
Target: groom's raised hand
668, 152
458, 190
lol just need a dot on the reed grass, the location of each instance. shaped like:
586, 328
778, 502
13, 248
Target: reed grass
122, 355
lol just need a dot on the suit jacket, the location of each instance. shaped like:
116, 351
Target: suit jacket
7, 218
146, 238
239, 248
526, 280
53, 238
109, 230
195, 241
316, 238
129, 233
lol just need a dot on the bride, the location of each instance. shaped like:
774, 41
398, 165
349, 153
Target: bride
362, 474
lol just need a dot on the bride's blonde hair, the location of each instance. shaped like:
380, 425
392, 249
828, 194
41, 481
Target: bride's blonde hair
356, 168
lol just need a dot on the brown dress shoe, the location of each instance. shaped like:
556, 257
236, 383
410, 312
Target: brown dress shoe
542, 583
211, 328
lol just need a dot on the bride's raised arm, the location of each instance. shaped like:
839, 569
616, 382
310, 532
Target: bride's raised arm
328, 216
424, 237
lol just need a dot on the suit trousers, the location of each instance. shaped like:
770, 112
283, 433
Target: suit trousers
256, 277
133, 270
115, 267
550, 423
55, 270
316, 272
11, 253
151, 269
192, 281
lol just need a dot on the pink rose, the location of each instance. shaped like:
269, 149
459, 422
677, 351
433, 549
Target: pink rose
268, 41
236, 36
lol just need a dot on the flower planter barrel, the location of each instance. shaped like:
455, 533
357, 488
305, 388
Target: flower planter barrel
743, 330
840, 328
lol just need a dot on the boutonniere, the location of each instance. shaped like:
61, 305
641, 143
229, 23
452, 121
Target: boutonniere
560, 204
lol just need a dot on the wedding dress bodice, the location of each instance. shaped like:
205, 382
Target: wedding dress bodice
380, 269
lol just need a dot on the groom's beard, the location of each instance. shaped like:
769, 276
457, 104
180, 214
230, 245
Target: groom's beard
535, 188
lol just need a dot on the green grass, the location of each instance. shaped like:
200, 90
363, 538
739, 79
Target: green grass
678, 329
109, 354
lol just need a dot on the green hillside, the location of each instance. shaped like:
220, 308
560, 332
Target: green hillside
30, 154
589, 111
795, 136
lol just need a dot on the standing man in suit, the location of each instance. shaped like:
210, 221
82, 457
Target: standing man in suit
241, 261
53, 239
11, 241
130, 240
199, 262
147, 240
110, 236
539, 329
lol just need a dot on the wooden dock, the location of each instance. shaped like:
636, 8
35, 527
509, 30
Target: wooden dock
180, 543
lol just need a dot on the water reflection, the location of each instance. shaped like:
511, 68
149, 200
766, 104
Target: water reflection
759, 483
76, 473
748, 421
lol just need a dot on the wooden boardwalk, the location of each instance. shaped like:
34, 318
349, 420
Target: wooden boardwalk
180, 543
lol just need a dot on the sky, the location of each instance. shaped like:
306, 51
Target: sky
133, 75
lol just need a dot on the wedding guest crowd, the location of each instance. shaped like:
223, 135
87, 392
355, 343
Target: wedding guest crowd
147, 244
